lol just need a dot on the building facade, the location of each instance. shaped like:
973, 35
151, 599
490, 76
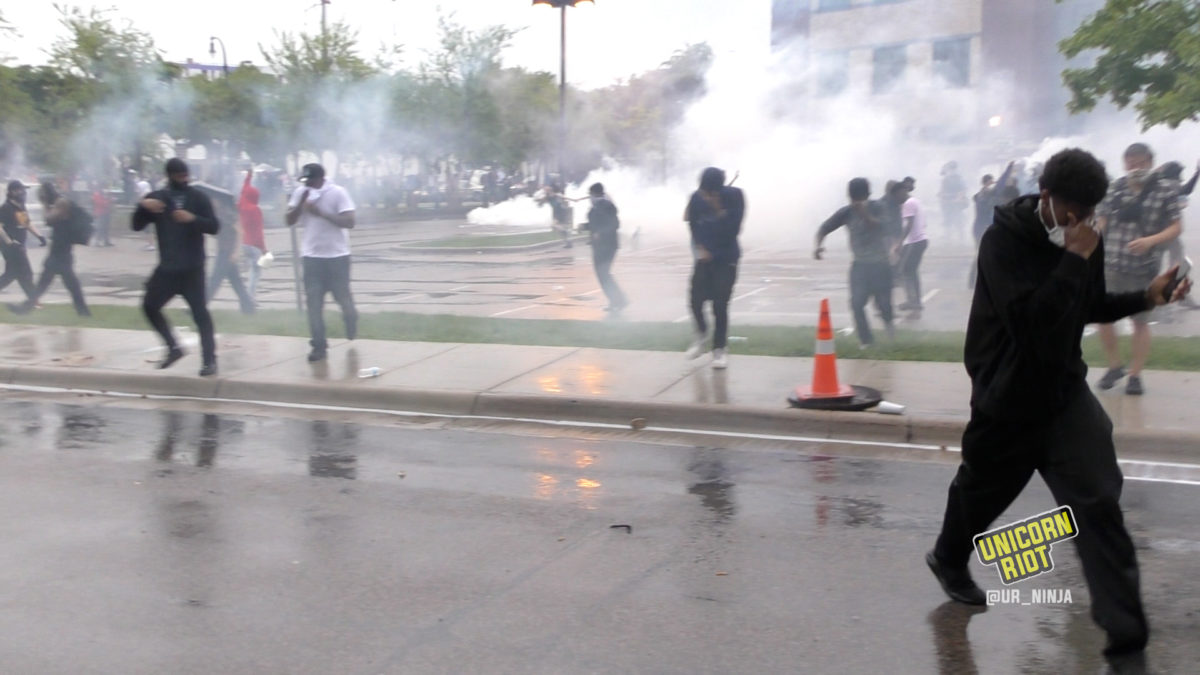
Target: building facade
949, 70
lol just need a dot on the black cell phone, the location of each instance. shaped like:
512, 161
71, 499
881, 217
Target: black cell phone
1185, 268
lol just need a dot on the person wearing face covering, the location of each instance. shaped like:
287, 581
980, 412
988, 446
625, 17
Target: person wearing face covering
1139, 218
326, 212
1040, 281
16, 225
181, 216
64, 218
714, 215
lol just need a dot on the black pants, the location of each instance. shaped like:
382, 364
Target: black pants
1074, 453
60, 264
18, 269
602, 257
870, 280
328, 275
223, 269
166, 284
910, 271
713, 281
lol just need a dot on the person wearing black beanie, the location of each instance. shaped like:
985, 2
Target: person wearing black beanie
181, 215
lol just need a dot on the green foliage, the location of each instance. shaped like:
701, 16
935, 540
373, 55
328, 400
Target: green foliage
638, 115
1147, 54
1170, 353
107, 97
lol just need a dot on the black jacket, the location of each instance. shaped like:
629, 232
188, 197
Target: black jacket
180, 245
718, 233
1032, 301
603, 223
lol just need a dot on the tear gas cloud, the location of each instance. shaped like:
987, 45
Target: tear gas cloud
795, 153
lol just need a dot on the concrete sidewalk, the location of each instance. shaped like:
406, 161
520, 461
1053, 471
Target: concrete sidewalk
562, 383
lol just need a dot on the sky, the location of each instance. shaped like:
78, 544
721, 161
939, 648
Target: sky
606, 41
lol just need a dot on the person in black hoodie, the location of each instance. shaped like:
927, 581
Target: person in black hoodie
1040, 281
602, 225
181, 215
64, 218
16, 225
714, 214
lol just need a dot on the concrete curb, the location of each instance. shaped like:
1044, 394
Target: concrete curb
366, 394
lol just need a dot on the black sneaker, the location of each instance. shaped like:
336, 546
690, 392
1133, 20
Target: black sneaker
208, 370
1134, 386
21, 308
316, 355
1111, 378
172, 356
957, 583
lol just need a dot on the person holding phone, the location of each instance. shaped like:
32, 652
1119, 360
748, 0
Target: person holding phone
181, 215
1041, 280
1140, 216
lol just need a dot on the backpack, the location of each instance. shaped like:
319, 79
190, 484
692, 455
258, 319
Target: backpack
81, 229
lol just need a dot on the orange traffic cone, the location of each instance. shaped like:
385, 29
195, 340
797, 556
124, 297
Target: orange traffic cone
826, 392
825, 384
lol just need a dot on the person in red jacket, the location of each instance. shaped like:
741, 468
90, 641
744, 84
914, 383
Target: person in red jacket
254, 244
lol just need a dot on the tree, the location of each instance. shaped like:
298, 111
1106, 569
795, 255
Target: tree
320, 78
232, 110
122, 87
637, 116
458, 85
17, 116
1148, 51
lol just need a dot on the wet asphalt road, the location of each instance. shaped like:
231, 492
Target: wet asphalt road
162, 537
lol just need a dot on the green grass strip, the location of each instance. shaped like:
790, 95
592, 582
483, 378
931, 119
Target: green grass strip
1168, 353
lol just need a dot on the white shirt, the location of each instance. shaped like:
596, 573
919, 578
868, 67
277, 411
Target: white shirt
323, 239
143, 188
912, 209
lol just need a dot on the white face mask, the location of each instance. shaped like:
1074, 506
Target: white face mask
1056, 234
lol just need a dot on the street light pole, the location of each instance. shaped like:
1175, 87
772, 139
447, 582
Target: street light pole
562, 6
562, 94
212, 51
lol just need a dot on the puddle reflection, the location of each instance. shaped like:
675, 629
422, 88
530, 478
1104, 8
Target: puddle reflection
333, 452
80, 427
713, 482
172, 441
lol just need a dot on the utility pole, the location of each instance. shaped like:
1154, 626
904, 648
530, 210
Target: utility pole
324, 37
562, 96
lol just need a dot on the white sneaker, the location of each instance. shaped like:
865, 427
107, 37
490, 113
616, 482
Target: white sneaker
720, 360
697, 348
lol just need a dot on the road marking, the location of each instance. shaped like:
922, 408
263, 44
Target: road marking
929, 296
1128, 464
756, 291
746, 295
510, 311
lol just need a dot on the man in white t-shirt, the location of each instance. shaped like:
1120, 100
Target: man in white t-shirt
327, 214
915, 242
